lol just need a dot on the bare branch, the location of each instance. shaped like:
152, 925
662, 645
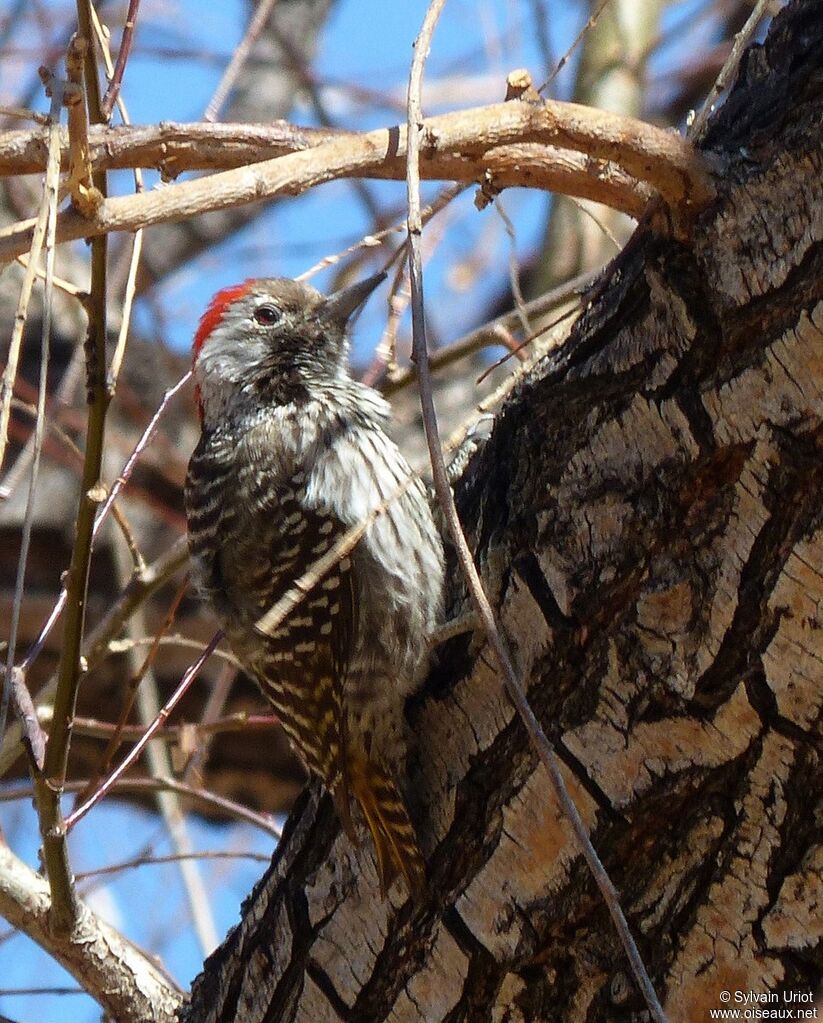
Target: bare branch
239, 721
459, 146
124, 981
21, 701
210, 800
153, 861
84, 194
113, 94
96, 646
188, 678
35, 247
741, 41
117, 486
116, 76
13, 680
64, 907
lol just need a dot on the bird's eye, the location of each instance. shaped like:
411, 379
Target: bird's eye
266, 315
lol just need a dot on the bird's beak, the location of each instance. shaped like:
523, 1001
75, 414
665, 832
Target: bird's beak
340, 306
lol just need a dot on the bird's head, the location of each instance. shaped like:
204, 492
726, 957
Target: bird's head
271, 341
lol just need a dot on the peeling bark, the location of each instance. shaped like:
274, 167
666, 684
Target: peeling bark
647, 517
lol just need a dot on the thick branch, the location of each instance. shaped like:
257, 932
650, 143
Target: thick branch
175, 148
465, 145
124, 981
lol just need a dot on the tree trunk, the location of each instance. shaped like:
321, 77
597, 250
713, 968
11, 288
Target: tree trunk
647, 518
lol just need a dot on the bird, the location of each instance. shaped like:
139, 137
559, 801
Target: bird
293, 457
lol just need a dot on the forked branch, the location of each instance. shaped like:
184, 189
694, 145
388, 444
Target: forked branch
563, 146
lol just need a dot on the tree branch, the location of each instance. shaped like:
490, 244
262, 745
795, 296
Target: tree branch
465, 145
121, 978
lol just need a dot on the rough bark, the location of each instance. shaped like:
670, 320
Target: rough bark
647, 517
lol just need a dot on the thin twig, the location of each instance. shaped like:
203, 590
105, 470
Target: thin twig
117, 486
371, 240
697, 128
211, 716
540, 17
23, 706
385, 354
143, 686
96, 646
488, 334
13, 355
581, 205
49, 213
115, 80
116, 75
514, 268
23, 113
518, 350
188, 678
121, 645
575, 43
238, 722
139, 447
65, 907
85, 196
159, 763
238, 58
155, 861
385, 358
119, 516
220, 804
512, 683
128, 301
139, 670
60, 283
66, 388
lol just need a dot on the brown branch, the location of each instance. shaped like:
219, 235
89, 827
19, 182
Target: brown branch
226, 806
117, 486
186, 681
116, 79
153, 861
65, 907
14, 683
96, 646
240, 721
34, 248
462, 146
123, 980
23, 705
232, 809
104, 765
730, 65
85, 196
196, 757
489, 334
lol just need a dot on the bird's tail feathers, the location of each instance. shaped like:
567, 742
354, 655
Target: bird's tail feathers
395, 840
